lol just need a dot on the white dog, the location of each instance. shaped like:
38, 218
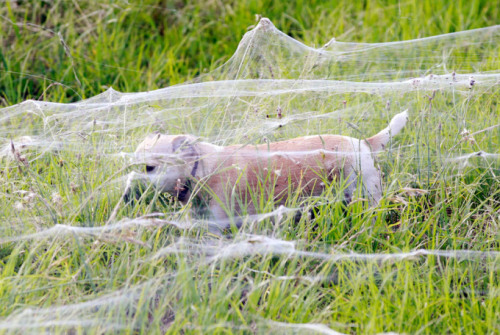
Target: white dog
227, 177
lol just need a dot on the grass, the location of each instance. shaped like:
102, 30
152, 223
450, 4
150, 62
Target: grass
273, 276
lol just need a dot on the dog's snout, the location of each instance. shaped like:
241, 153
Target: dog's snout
150, 168
135, 188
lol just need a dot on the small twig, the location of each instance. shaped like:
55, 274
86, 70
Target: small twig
485, 129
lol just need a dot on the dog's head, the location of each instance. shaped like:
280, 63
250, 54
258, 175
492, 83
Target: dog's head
168, 160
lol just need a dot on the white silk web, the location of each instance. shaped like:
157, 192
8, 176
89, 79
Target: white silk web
64, 167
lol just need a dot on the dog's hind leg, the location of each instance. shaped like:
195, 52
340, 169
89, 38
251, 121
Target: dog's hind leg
372, 184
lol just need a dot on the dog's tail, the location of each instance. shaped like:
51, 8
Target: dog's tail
379, 141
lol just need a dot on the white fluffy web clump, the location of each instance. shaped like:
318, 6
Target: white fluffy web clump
79, 156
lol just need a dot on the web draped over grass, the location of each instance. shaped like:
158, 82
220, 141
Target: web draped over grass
426, 259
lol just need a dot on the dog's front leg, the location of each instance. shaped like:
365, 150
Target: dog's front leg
221, 217
217, 212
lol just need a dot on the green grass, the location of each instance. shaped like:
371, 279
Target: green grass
153, 44
156, 278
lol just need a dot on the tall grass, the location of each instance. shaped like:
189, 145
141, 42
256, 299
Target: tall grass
347, 267
65, 51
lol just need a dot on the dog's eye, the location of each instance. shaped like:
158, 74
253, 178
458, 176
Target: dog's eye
150, 168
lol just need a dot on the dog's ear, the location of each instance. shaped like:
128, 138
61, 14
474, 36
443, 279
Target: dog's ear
183, 144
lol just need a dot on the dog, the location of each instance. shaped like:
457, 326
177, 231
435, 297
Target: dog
225, 176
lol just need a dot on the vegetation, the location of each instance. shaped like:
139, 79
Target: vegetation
276, 276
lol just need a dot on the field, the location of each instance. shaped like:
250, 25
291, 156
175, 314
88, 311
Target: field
75, 258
